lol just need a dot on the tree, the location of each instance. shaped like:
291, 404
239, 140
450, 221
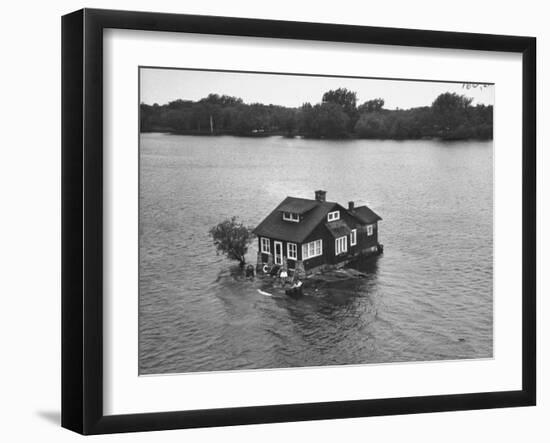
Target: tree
305, 119
371, 125
222, 100
451, 116
286, 120
451, 101
374, 105
327, 120
450, 111
232, 239
347, 100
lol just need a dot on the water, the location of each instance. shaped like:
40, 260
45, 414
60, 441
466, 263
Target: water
428, 297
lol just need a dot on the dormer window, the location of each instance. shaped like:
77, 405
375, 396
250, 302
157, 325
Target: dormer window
291, 216
335, 215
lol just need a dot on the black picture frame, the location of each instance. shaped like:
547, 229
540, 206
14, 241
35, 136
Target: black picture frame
82, 218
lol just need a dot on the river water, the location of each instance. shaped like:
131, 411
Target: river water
428, 297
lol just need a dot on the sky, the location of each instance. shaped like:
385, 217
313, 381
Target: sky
159, 85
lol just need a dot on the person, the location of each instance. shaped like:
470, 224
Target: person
295, 289
249, 272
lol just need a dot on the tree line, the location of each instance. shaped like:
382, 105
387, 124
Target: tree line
451, 116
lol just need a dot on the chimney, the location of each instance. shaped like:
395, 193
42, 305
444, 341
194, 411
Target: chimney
320, 196
351, 206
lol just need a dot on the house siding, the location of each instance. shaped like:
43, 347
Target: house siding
319, 233
291, 263
364, 243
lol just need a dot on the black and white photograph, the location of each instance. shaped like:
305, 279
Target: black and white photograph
266, 222
294, 221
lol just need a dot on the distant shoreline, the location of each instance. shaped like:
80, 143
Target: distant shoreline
336, 117
301, 136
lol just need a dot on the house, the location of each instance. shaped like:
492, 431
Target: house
308, 235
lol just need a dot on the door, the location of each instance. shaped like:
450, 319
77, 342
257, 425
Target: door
278, 256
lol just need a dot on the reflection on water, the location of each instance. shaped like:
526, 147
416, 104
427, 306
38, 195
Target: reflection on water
429, 297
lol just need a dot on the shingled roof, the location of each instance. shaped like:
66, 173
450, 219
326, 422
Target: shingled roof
297, 205
338, 228
312, 213
365, 214
274, 226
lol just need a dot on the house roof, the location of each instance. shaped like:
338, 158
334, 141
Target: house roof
365, 214
312, 213
338, 228
297, 205
274, 226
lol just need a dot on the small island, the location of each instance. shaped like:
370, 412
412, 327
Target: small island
451, 116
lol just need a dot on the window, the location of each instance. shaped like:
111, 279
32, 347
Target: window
312, 249
291, 216
264, 246
292, 251
335, 215
318, 247
353, 237
341, 245
370, 229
